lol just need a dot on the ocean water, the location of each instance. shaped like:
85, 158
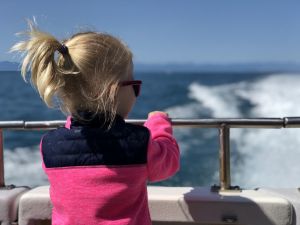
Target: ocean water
259, 157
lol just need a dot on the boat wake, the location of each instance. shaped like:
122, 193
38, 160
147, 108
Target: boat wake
259, 157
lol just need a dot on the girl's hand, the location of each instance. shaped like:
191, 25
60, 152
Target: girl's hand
157, 112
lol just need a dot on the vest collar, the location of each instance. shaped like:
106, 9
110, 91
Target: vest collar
95, 120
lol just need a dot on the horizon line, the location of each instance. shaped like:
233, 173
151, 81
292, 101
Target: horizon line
196, 63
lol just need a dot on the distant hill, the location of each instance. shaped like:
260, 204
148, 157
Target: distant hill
9, 66
190, 67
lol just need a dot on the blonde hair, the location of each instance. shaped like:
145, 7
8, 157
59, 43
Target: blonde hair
84, 78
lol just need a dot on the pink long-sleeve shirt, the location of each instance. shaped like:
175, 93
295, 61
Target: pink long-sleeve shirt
111, 194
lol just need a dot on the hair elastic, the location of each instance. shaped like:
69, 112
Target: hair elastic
63, 49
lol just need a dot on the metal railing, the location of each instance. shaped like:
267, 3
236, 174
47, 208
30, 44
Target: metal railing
224, 126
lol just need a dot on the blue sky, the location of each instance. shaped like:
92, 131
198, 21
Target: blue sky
170, 31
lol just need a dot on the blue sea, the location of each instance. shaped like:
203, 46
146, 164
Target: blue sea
259, 157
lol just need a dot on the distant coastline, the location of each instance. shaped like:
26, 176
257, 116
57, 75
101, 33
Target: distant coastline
191, 67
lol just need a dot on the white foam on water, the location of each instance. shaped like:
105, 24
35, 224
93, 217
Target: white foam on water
267, 157
187, 111
216, 98
23, 166
276, 95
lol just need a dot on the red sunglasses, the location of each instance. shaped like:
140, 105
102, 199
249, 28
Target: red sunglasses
136, 85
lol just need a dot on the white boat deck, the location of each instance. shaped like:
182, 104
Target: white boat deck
173, 205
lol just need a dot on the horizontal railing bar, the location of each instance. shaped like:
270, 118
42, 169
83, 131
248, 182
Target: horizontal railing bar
12, 124
232, 123
43, 125
291, 122
286, 122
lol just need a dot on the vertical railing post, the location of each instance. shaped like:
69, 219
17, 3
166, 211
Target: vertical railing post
2, 183
224, 154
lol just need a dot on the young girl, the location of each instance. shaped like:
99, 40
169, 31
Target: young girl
97, 165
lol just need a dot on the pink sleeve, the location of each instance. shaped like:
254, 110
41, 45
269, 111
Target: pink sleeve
68, 122
163, 151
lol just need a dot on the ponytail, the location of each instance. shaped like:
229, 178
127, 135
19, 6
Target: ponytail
39, 58
83, 77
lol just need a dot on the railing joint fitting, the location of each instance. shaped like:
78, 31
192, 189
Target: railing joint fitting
8, 187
